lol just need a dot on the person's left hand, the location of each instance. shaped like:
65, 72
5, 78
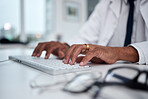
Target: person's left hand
96, 54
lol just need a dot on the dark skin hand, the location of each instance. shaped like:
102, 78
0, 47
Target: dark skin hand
96, 54
100, 54
56, 48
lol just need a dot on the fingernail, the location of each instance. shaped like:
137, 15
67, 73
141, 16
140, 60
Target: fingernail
63, 60
70, 62
82, 63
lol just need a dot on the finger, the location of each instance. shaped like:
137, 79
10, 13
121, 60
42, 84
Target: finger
36, 50
50, 51
75, 54
87, 58
40, 50
68, 54
79, 59
61, 52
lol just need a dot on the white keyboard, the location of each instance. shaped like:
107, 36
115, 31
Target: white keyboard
51, 66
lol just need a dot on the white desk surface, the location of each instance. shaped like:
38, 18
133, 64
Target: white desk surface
15, 81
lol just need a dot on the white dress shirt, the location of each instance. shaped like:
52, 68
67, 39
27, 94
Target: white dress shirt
107, 26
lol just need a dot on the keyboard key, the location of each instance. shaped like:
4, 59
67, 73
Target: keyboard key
51, 66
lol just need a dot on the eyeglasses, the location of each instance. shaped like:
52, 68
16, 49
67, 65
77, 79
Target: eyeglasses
130, 77
48, 81
44, 81
82, 82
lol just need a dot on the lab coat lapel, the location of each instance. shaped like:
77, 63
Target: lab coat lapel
144, 11
115, 7
112, 20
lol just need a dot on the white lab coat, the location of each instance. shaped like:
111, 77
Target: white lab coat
95, 31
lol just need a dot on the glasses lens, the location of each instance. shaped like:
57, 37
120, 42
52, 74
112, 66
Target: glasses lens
82, 82
121, 75
42, 81
142, 79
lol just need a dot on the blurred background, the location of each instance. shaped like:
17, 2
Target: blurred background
32, 21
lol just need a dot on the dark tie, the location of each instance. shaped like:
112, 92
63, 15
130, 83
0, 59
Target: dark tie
129, 28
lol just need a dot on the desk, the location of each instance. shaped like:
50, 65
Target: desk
15, 81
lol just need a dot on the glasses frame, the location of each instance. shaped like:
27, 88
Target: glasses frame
87, 88
131, 83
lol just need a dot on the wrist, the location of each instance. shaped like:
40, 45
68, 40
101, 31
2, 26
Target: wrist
128, 54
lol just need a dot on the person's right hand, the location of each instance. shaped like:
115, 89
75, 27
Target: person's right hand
56, 48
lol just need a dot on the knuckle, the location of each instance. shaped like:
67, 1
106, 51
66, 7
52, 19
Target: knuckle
79, 47
90, 53
74, 45
40, 43
83, 46
52, 42
57, 42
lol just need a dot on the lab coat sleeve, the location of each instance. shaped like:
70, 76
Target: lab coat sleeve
89, 33
142, 49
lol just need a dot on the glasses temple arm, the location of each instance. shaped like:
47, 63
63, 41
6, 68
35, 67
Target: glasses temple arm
124, 79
